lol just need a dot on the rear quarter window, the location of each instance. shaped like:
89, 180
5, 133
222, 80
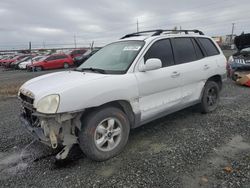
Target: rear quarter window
208, 46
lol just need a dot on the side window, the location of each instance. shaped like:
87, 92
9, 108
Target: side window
57, 57
198, 51
208, 46
162, 50
61, 57
183, 50
50, 58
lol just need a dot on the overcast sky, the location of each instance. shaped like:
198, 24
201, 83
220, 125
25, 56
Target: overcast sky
52, 23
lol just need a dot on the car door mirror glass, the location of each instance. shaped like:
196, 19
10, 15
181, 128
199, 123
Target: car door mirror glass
150, 64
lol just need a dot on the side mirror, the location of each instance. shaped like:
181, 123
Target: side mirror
150, 64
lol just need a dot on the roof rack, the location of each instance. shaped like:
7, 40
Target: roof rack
160, 31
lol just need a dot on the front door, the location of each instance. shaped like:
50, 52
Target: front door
159, 90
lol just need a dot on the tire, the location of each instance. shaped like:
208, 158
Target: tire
100, 119
38, 69
65, 65
210, 97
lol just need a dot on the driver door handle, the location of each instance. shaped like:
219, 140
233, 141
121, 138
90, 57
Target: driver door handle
175, 74
206, 67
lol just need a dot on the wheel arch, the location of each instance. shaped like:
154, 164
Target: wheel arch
217, 79
123, 105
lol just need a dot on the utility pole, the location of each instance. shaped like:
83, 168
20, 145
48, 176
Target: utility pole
43, 45
137, 25
31, 57
233, 25
75, 40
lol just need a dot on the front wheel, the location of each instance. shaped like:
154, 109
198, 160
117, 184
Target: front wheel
66, 65
210, 97
104, 133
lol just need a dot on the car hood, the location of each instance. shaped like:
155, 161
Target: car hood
25, 62
242, 41
56, 83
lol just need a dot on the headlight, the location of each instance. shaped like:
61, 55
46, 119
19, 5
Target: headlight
48, 104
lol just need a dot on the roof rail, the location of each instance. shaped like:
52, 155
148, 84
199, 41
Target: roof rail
160, 31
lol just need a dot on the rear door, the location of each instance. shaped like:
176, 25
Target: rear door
213, 57
190, 62
159, 90
61, 59
57, 61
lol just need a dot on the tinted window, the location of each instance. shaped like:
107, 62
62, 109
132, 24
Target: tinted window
198, 51
184, 50
162, 50
50, 58
208, 46
61, 56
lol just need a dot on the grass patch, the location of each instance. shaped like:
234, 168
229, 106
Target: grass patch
10, 90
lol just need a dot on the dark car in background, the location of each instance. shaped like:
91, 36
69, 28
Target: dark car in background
52, 62
77, 52
81, 59
241, 59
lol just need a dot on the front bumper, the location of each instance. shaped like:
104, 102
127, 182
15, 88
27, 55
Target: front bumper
36, 132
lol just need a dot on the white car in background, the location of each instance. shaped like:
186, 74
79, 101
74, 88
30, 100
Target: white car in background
126, 84
24, 64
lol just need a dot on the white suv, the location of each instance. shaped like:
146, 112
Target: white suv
137, 79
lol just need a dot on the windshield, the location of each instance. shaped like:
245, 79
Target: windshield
114, 58
43, 58
37, 58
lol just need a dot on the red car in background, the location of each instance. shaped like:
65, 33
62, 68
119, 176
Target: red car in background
52, 62
77, 52
7, 62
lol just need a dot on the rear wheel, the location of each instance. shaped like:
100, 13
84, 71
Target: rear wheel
104, 133
210, 98
66, 65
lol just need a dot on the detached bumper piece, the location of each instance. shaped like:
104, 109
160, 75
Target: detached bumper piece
54, 130
242, 78
36, 132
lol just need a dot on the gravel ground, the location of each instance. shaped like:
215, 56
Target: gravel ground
185, 149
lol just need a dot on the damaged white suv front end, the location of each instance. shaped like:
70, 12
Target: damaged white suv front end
49, 113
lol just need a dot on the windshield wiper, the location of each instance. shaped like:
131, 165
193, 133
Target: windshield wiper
92, 69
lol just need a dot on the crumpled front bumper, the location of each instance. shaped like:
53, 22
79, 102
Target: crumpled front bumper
36, 132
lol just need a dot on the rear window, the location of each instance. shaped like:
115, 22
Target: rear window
183, 50
208, 47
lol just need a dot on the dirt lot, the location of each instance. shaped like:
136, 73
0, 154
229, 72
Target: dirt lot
185, 149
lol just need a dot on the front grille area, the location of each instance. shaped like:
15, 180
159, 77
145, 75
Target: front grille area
26, 98
28, 116
240, 61
28, 109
